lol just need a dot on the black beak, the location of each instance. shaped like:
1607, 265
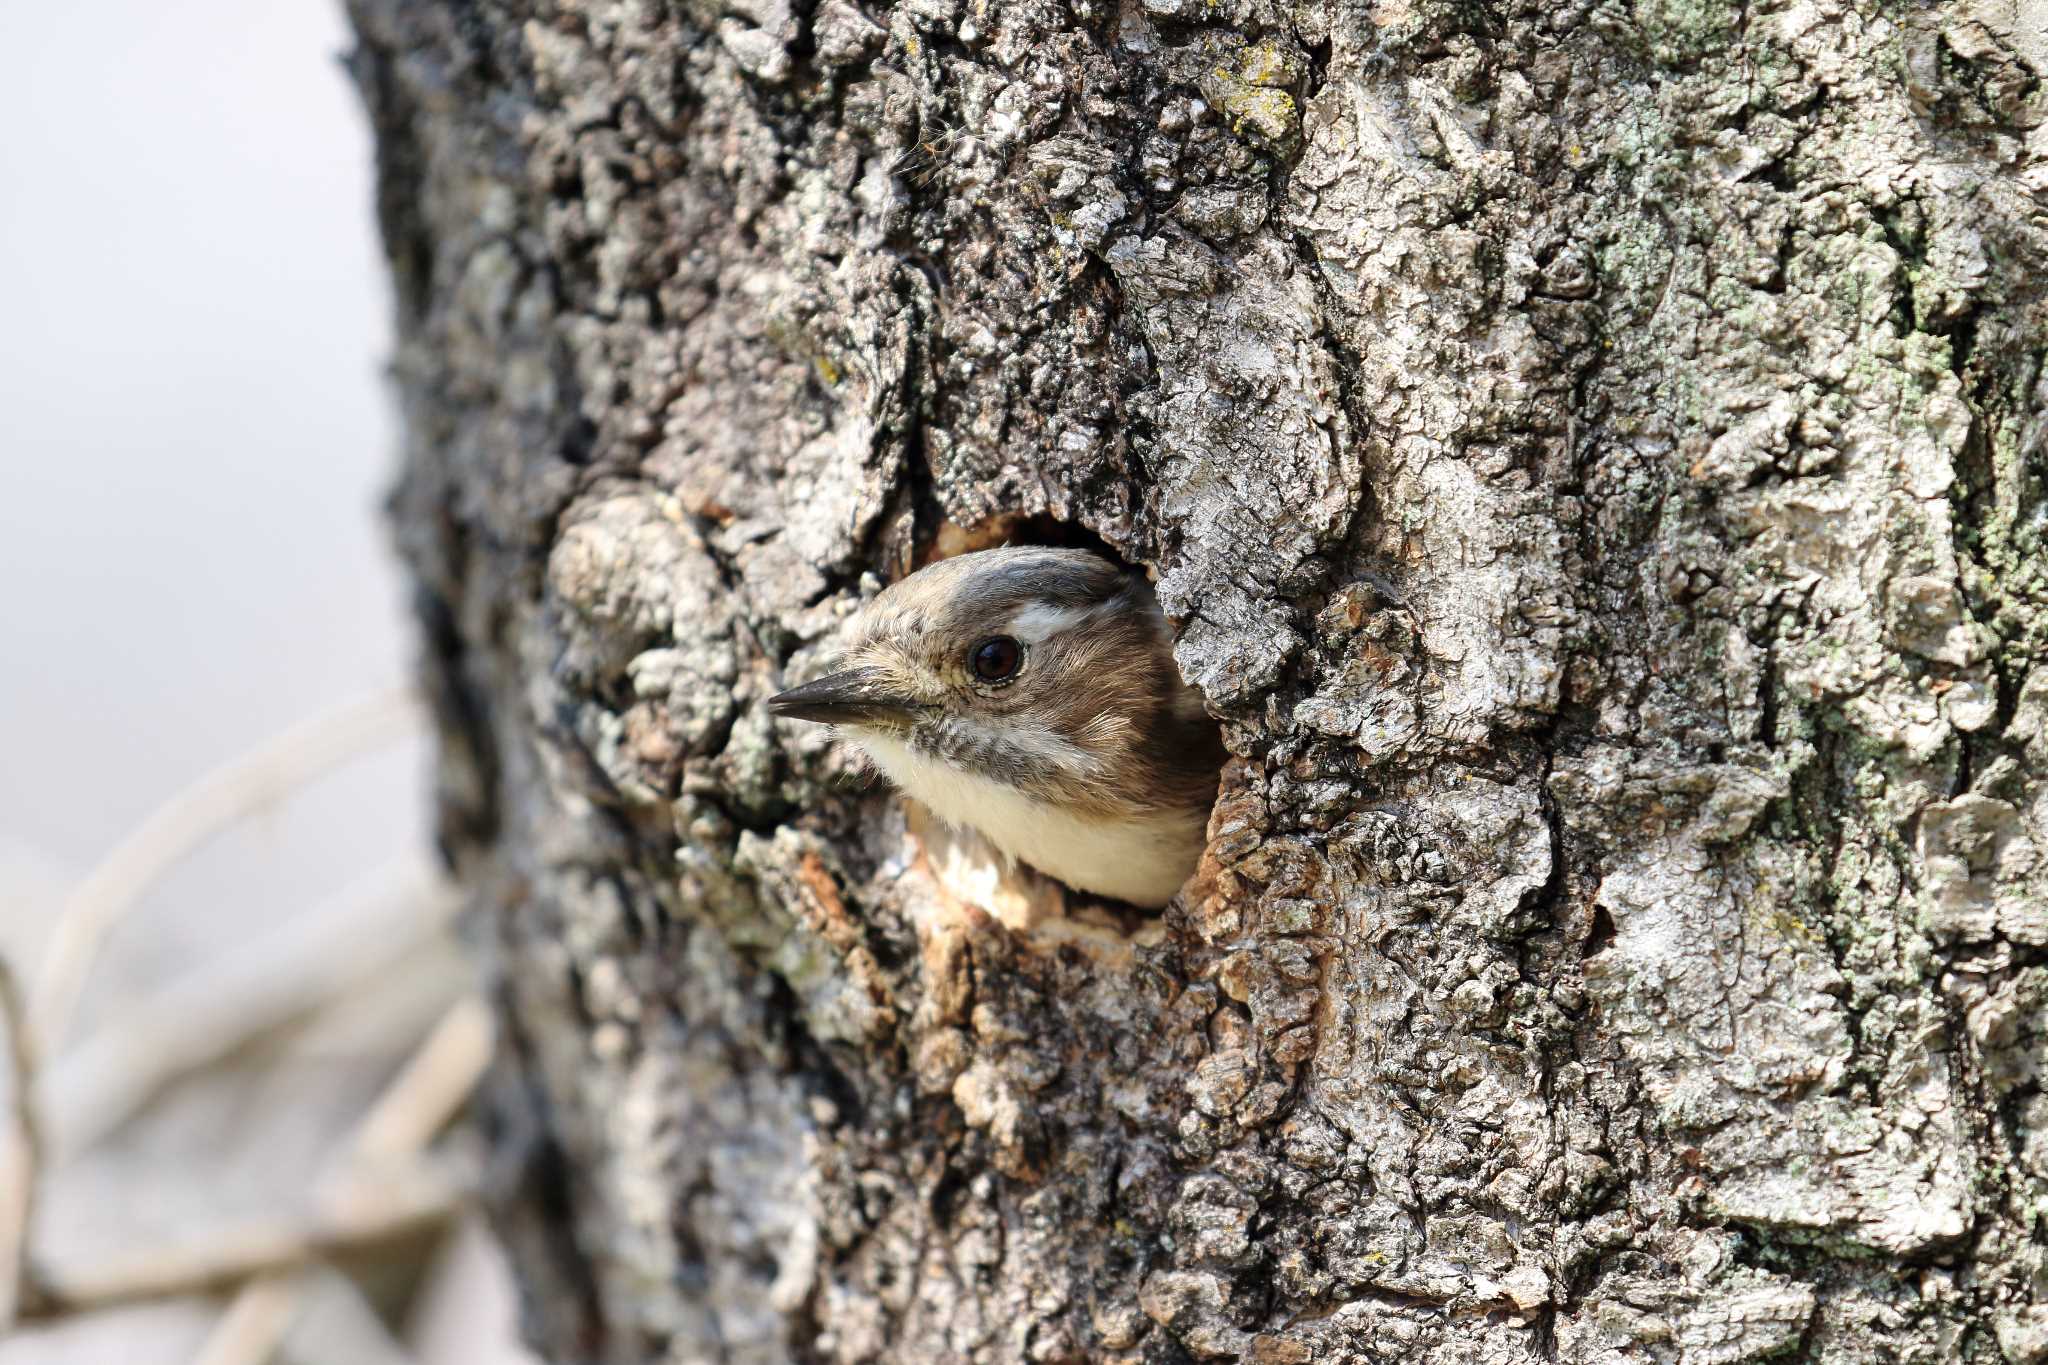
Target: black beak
854, 697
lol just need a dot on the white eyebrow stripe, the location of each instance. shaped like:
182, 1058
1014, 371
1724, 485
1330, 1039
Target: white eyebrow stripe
1039, 622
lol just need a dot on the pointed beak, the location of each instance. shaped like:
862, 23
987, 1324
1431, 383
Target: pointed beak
855, 697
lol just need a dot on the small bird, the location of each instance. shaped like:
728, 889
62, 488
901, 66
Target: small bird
1030, 694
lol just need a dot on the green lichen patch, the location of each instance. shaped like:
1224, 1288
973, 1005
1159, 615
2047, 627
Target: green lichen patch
1251, 88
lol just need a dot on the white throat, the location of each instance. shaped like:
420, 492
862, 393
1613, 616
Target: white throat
1143, 859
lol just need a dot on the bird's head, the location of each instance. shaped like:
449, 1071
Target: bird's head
1048, 671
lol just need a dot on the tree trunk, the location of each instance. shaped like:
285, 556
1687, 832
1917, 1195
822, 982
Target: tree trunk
1593, 456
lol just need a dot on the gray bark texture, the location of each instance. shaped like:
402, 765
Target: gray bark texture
1593, 453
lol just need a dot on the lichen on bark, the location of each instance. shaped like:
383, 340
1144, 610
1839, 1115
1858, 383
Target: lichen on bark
1592, 454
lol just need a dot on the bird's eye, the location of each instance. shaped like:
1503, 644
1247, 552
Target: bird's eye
997, 659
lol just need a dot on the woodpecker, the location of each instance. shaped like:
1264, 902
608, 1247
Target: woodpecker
1031, 695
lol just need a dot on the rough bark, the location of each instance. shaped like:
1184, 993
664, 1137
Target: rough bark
1594, 453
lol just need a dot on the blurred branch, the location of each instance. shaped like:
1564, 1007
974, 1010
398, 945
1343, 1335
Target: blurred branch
390, 1209
21, 1162
238, 996
380, 1189
337, 1324
316, 1316
254, 1325
203, 809
428, 1091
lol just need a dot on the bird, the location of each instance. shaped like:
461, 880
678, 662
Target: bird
1030, 694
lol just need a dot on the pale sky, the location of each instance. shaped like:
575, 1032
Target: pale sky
194, 438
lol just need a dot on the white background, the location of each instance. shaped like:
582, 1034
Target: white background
195, 439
